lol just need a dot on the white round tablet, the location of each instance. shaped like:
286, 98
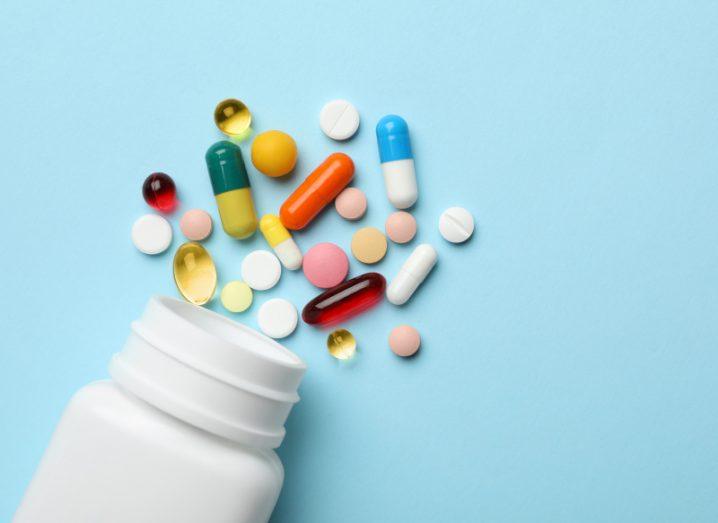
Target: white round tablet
277, 318
261, 270
339, 120
152, 234
456, 224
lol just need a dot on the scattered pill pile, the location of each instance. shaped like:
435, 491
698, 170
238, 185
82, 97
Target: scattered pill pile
326, 265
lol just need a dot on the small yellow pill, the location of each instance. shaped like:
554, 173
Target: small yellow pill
236, 296
274, 153
342, 344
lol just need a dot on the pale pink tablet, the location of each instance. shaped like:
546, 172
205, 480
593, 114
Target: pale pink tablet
404, 340
400, 227
351, 203
325, 265
196, 224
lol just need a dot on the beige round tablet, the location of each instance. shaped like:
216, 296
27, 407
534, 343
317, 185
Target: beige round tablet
369, 245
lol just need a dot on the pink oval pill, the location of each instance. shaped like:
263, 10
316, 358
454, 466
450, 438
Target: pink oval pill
404, 340
400, 227
351, 203
325, 265
196, 224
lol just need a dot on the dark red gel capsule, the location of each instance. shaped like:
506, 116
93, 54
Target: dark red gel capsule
159, 191
345, 300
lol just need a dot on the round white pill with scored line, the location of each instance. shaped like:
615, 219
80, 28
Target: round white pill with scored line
456, 224
339, 120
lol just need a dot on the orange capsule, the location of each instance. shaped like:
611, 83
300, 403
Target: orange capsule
319, 188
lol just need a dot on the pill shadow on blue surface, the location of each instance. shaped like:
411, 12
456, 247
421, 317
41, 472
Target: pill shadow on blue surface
295, 177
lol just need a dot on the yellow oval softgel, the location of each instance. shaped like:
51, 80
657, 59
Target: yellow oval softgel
341, 344
233, 118
195, 273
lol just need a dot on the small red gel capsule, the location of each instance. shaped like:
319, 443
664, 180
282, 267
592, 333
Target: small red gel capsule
159, 192
345, 300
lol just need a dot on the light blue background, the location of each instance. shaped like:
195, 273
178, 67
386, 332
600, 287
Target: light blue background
570, 351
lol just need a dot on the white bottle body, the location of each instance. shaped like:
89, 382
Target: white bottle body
400, 182
117, 459
183, 433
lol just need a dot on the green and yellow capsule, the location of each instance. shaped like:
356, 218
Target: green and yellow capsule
230, 184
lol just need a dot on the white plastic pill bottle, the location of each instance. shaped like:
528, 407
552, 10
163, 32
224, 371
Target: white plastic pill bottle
183, 433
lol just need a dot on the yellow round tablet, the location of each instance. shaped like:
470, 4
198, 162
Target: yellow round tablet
274, 153
236, 296
369, 245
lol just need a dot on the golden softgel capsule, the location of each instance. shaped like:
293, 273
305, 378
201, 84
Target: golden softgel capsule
233, 118
194, 272
341, 344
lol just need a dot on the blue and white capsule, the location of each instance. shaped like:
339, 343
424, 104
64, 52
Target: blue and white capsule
397, 161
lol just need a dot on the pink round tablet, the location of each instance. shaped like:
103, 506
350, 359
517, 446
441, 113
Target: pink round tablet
400, 227
351, 203
325, 265
404, 340
196, 224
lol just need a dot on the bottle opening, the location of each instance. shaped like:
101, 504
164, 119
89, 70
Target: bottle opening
232, 332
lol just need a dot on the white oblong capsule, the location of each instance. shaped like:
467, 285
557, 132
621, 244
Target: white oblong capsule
281, 241
415, 269
397, 161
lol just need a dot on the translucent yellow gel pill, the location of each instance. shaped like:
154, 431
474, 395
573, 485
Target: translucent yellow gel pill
194, 273
236, 296
341, 344
233, 118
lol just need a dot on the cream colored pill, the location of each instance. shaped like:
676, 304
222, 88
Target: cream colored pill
339, 120
369, 245
456, 224
236, 296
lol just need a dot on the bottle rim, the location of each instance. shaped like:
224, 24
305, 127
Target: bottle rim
210, 371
